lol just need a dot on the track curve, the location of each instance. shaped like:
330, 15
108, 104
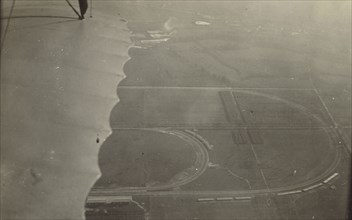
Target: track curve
203, 159
200, 165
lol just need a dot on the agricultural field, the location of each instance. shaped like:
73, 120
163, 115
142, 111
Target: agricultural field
264, 123
140, 158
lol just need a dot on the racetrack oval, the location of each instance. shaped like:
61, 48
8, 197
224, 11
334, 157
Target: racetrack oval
307, 141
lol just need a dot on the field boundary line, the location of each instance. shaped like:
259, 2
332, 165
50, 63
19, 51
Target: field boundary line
335, 124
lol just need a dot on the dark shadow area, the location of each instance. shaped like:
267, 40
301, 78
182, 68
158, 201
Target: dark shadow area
111, 155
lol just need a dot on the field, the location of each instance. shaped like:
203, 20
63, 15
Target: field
250, 101
140, 158
257, 141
